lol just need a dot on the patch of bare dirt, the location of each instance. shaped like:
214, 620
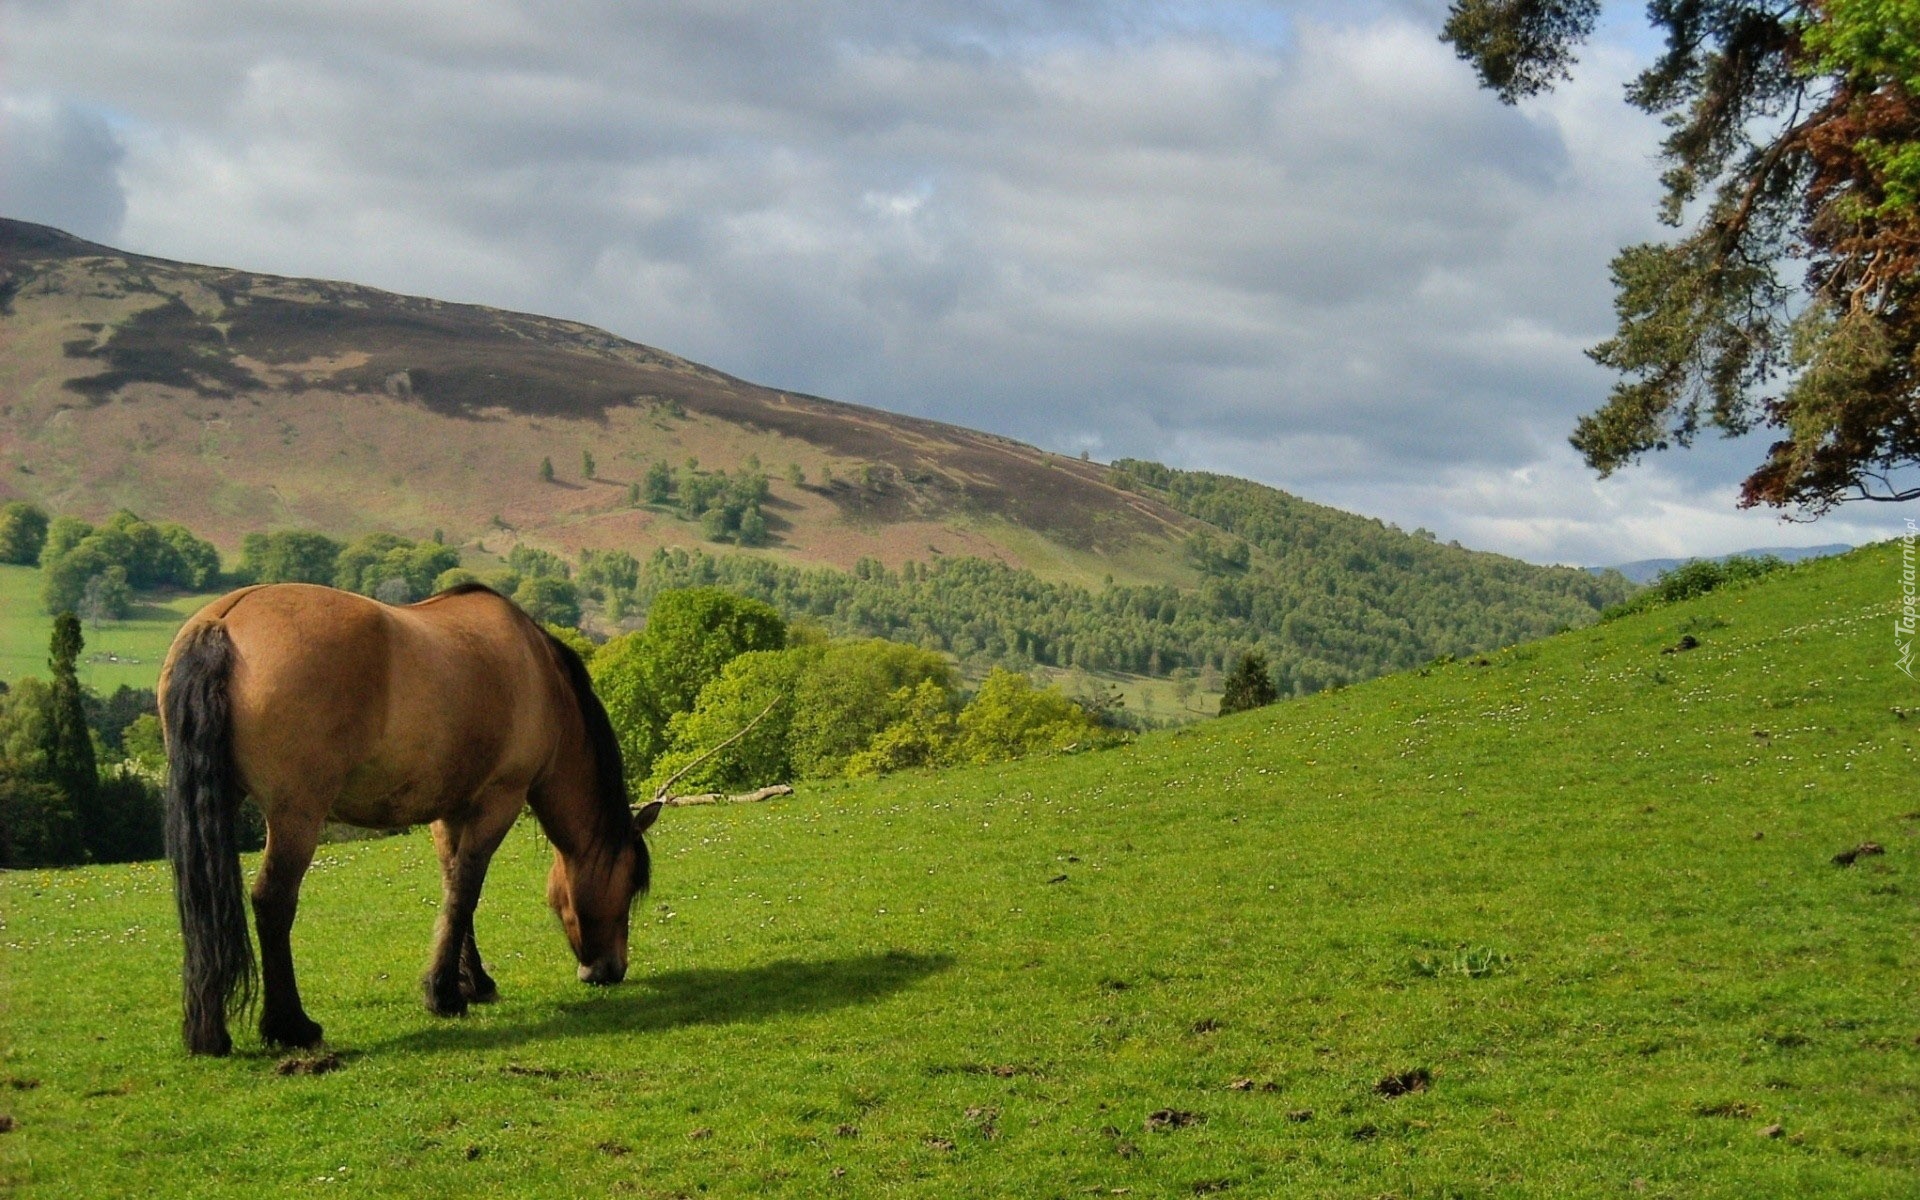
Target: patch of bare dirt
1419, 1079
1164, 1119
1847, 858
309, 1064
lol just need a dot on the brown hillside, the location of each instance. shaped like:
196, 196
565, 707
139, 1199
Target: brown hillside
233, 402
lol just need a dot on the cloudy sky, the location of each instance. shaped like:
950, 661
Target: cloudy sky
1289, 240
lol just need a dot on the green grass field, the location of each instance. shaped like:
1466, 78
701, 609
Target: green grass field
1576, 905
118, 652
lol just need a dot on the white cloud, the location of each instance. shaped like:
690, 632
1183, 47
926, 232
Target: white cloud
1290, 240
59, 164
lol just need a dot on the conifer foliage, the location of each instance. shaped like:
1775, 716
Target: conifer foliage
70, 764
1250, 685
1791, 302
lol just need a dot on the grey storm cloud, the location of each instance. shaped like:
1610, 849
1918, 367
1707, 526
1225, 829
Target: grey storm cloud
1291, 240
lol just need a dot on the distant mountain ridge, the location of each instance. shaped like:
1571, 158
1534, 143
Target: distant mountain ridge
1646, 570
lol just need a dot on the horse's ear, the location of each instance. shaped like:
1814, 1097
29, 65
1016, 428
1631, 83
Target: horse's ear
645, 815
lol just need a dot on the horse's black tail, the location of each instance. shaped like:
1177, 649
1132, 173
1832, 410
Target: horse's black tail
202, 805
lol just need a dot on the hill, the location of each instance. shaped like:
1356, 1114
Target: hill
234, 403
1565, 921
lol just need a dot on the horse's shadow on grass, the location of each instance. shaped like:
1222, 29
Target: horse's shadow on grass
700, 996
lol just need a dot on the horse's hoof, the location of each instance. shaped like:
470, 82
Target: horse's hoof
478, 991
444, 1003
298, 1033
212, 1046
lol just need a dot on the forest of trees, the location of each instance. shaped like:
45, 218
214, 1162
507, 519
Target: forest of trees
1329, 598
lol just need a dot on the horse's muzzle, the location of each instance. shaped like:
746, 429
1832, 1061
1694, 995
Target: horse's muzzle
604, 971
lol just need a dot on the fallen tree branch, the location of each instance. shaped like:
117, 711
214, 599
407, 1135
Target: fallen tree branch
660, 793
765, 793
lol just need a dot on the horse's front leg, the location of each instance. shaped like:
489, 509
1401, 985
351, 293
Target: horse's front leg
455, 975
291, 838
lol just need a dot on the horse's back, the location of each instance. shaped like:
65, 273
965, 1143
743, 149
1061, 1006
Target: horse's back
391, 714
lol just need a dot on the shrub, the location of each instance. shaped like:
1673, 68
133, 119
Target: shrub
288, 556
844, 699
23, 531
532, 561
1009, 717
574, 640
741, 692
549, 600
922, 736
453, 577
1695, 578
644, 678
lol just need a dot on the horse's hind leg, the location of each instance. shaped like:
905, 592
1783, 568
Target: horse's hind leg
291, 838
466, 847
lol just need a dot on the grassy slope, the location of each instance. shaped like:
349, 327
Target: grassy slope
877, 989
118, 652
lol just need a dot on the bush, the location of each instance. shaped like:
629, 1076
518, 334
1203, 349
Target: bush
845, 698
741, 692
605, 574
130, 813
548, 600
531, 561
453, 577
644, 678
288, 556
574, 640
1695, 578
1010, 717
922, 736
112, 715
1250, 685
74, 554
36, 822
143, 744
23, 531
659, 483
374, 559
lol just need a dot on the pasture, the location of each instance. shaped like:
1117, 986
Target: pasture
1564, 921
118, 652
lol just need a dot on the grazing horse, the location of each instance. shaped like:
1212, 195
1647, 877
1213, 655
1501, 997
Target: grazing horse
320, 704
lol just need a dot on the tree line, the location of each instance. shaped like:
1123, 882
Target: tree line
1329, 598
1325, 603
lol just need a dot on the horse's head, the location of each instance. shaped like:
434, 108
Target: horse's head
593, 896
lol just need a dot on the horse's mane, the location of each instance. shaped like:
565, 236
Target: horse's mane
609, 770
613, 816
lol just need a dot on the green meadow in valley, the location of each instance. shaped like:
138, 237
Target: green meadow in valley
1562, 921
118, 652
